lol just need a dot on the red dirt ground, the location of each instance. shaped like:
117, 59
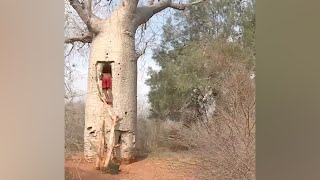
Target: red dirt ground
150, 168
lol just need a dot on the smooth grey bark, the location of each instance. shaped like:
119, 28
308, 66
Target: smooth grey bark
114, 43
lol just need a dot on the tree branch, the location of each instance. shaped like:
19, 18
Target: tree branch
184, 6
139, 53
150, 2
88, 7
84, 39
80, 10
84, 11
130, 4
69, 51
144, 13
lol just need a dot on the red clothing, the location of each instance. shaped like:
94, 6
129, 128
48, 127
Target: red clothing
106, 82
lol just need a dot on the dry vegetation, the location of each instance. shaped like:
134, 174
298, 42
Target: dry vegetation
225, 146
74, 127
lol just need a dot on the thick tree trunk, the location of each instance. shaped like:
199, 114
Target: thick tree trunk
115, 42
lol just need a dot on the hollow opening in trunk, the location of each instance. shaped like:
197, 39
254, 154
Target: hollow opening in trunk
119, 139
107, 68
104, 67
106, 80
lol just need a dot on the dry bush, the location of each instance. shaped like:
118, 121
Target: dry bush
225, 147
74, 127
153, 135
147, 135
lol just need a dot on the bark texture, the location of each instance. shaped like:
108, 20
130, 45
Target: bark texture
115, 42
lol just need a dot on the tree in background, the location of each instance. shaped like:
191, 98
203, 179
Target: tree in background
204, 94
198, 48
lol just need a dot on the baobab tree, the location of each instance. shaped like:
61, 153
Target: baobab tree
113, 39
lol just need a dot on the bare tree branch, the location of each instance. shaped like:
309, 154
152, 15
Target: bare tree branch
150, 2
141, 52
87, 4
184, 6
81, 46
69, 51
144, 13
80, 10
99, 2
130, 4
84, 39
73, 96
84, 11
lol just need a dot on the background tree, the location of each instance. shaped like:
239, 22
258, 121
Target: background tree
198, 48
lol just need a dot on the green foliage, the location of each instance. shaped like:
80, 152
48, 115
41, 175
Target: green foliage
195, 54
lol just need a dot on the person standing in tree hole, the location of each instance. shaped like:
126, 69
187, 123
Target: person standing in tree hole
106, 79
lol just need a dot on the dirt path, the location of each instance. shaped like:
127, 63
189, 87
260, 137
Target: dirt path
150, 168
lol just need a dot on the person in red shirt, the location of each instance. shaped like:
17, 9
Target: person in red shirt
106, 80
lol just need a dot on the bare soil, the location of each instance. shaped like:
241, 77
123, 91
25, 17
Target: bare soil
150, 168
